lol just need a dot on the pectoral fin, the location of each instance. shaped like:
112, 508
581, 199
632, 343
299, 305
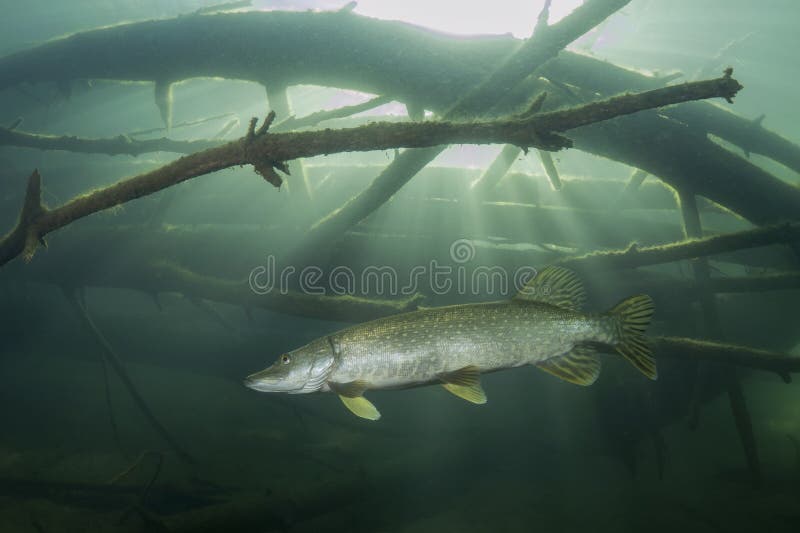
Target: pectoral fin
361, 407
352, 397
580, 366
465, 383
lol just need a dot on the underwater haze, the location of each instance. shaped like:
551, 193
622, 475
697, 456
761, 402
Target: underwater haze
385, 266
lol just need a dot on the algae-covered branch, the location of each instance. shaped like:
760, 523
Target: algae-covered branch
268, 151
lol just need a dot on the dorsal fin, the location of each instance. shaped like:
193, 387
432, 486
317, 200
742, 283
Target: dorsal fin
555, 285
465, 383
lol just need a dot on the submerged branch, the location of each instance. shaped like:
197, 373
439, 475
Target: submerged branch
126, 145
269, 151
544, 45
293, 123
693, 349
120, 145
168, 277
110, 356
635, 256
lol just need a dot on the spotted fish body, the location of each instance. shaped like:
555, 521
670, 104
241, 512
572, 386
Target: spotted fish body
416, 348
453, 345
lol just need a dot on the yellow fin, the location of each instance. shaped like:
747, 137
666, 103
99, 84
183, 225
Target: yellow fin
633, 315
465, 383
352, 397
556, 286
361, 407
580, 366
350, 389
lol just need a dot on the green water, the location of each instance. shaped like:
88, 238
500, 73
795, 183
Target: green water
124, 341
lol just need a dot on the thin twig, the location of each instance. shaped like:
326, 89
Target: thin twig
115, 362
293, 123
183, 124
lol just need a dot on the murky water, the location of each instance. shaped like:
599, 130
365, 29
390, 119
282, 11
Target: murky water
124, 342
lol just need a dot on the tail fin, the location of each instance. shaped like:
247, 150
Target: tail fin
632, 316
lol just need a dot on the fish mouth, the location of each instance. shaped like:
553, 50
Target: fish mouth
262, 383
301, 381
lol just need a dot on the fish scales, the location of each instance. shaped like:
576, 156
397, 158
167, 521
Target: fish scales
415, 348
454, 345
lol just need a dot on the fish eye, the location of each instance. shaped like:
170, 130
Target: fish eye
285, 359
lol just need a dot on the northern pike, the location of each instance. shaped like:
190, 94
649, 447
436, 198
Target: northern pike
542, 325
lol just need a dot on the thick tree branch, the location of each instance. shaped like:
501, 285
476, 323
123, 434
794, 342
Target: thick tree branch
268, 151
413, 64
607, 78
121, 145
126, 145
544, 45
697, 350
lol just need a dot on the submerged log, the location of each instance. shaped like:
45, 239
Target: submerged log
545, 43
711, 323
126, 145
213, 263
268, 151
686, 289
121, 145
523, 223
698, 350
396, 60
153, 277
607, 78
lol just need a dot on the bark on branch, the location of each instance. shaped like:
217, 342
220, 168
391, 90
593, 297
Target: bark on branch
269, 151
120, 145
125, 145
543, 46
409, 63
697, 350
635, 256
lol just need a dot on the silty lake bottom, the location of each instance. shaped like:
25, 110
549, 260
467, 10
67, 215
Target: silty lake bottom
159, 248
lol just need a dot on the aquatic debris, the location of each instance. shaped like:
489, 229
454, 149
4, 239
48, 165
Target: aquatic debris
640, 256
268, 150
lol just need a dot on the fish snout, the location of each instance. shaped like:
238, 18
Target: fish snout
268, 381
260, 381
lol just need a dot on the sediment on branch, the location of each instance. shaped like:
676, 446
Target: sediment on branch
269, 151
635, 256
698, 350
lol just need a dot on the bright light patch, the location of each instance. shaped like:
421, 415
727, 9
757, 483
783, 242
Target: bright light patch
468, 18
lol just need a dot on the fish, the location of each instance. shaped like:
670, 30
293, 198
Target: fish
542, 325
